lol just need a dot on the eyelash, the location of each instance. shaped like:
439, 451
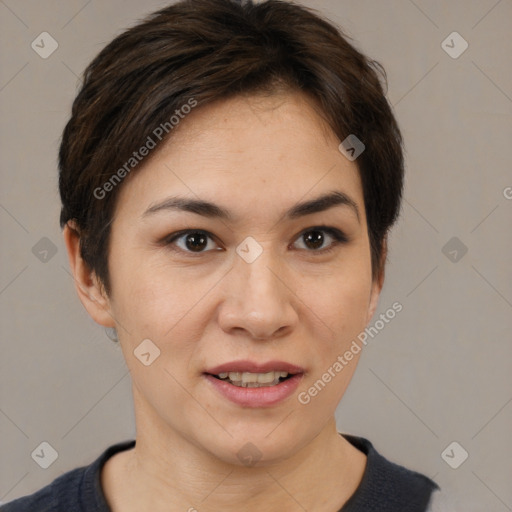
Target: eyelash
338, 238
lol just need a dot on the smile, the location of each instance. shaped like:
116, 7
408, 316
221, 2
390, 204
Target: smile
250, 384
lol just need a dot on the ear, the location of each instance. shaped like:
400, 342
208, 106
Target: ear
89, 288
378, 282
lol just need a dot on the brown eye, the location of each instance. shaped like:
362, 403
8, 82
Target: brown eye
196, 241
191, 241
315, 238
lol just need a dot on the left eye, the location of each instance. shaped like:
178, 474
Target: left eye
314, 238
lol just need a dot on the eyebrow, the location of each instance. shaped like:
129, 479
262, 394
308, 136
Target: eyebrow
211, 210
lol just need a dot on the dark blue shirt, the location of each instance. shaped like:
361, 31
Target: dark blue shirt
385, 487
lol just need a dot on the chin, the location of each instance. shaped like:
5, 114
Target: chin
251, 447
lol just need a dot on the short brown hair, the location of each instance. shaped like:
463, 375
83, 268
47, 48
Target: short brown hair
211, 50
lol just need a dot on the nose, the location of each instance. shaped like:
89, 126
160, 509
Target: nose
259, 299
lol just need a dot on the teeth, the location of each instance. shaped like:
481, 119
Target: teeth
253, 380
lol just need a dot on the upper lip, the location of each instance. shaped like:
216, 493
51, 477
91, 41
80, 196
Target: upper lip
254, 367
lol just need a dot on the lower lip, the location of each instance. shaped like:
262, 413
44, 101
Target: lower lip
256, 397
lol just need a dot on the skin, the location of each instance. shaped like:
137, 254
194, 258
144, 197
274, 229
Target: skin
257, 157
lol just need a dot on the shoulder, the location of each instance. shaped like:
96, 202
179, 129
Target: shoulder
387, 486
50, 498
78, 490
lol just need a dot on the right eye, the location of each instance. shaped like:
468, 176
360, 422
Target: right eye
192, 241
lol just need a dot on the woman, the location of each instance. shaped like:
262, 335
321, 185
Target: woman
228, 177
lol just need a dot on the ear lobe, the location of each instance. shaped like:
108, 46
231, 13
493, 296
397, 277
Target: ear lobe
88, 286
378, 282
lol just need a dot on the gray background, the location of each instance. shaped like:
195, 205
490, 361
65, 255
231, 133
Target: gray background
438, 373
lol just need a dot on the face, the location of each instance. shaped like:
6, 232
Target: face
264, 277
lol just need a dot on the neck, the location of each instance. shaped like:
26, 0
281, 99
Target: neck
166, 471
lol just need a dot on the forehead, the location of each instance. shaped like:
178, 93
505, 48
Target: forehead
251, 153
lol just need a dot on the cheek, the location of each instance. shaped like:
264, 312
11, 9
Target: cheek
340, 301
354, 298
157, 306
336, 353
152, 298
345, 314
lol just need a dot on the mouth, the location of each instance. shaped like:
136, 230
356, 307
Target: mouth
252, 384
